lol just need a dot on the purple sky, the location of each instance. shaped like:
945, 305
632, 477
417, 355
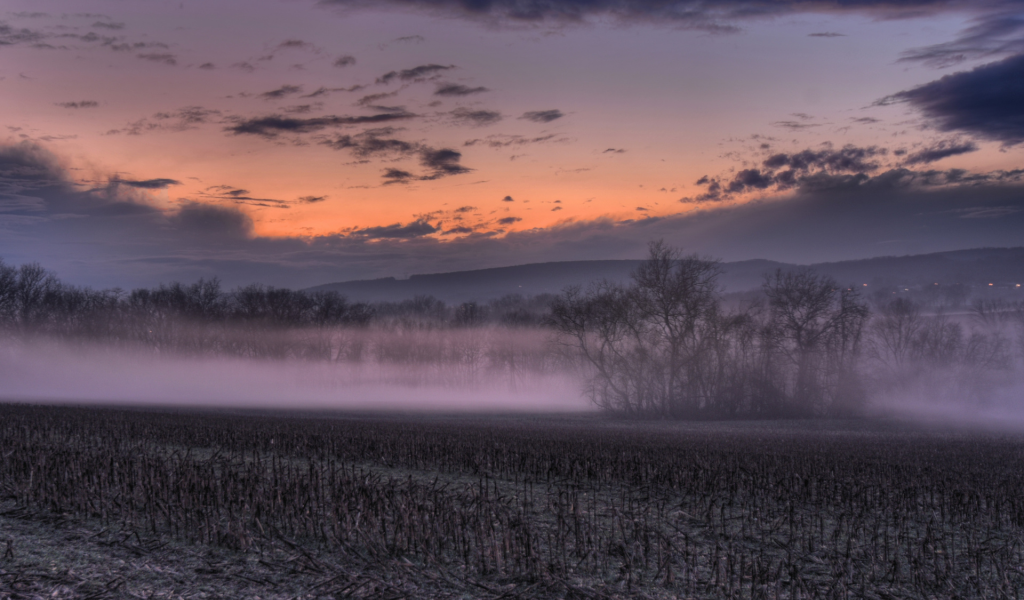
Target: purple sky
301, 142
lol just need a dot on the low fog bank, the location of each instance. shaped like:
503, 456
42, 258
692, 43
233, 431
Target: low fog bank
945, 401
668, 345
47, 372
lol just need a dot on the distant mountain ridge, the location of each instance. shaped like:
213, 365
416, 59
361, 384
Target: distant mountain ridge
1002, 266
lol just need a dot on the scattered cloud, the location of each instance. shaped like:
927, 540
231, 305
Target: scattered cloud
312, 199
344, 61
940, 150
397, 231
281, 92
372, 143
182, 119
323, 91
795, 124
372, 100
414, 73
159, 57
504, 140
392, 175
147, 184
614, 151
476, 118
273, 125
457, 89
79, 104
826, 34
542, 116
508, 220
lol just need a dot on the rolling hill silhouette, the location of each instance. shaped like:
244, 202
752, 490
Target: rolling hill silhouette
1001, 266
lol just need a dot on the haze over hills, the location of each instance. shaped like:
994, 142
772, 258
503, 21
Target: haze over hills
1002, 266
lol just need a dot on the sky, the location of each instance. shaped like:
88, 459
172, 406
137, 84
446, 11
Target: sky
300, 142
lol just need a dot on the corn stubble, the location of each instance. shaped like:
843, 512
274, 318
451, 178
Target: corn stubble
512, 507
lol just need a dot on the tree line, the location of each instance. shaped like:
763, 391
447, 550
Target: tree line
253, 321
666, 345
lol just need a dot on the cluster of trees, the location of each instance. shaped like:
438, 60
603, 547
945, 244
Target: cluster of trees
665, 345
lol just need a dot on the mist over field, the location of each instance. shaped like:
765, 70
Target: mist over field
666, 344
51, 372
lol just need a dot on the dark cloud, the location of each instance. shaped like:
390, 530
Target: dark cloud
940, 150
372, 144
392, 175
614, 151
826, 34
344, 61
281, 92
397, 231
795, 124
372, 100
108, 25
458, 230
716, 17
987, 101
323, 91
750, 179
79, 104
241, 196
160, 57
476, 118
207, 66
847, 158
10, 35
507, 199
221, 222
419, 72
26, 165
442, 162
312, 199
542, 116
457, 89
183, 119
295, 45
997, 33
244, 66
464, 209
806, 169
508, 220
273, 125
504, 141
147, 184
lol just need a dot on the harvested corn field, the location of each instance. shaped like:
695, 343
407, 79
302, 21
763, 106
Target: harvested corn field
108, 502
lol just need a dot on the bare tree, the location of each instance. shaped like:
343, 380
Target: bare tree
818, 327
648, 345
